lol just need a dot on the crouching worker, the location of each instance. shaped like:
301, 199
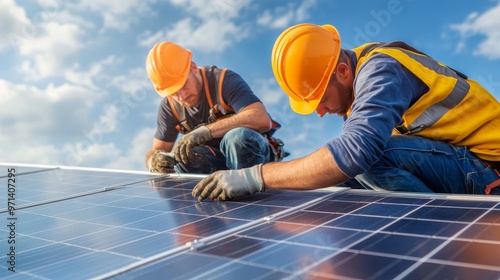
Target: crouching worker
226, 126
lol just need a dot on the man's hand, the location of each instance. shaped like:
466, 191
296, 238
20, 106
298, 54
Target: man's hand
230, 184
161, 162
194, 138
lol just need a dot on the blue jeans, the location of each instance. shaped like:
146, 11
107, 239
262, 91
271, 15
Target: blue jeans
417, 164
239, 148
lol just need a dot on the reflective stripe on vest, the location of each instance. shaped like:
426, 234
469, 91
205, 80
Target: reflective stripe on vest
455, 109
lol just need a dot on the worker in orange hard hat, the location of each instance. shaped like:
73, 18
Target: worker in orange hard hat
411, 123
168, 67
225, 125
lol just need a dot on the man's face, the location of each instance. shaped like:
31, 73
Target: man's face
337, 99
190, 94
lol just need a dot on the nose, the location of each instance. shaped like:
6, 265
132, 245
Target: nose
320, 111
181, 94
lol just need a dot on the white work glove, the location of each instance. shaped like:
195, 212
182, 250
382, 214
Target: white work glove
161, 162
230, 184
194, 138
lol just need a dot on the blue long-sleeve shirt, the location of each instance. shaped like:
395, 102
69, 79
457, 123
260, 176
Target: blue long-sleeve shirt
383, 90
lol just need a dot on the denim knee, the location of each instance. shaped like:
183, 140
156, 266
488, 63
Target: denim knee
244, 147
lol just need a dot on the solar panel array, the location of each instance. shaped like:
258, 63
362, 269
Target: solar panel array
83, 224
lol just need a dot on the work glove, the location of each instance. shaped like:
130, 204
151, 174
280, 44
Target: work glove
230, 184
197, 137
161, 162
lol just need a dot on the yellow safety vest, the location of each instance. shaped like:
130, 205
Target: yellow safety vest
455, 109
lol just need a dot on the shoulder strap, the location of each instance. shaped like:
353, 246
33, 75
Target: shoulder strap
214, 79
206, 84
220, 78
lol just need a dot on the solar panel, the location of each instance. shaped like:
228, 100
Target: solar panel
125, 225
41, 185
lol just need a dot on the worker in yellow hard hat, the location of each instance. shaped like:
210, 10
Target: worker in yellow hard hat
411, 123
225, 124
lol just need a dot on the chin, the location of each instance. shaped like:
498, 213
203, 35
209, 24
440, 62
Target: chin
190, 104
193, 102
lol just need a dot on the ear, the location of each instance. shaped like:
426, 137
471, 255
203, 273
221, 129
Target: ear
194, 67
342, 71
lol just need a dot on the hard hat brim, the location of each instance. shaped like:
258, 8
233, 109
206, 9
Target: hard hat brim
170, 90
304, 107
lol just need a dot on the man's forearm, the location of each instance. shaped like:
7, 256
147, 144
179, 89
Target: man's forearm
254, 117
317, 170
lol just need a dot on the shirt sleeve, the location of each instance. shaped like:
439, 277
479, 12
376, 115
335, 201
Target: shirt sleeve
166, 123
236, 92
383, 91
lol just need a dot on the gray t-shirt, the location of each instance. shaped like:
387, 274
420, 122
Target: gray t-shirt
235, 92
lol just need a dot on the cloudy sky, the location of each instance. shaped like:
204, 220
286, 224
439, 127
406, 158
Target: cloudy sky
74, 90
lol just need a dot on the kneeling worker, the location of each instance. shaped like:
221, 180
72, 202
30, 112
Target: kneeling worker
225, 125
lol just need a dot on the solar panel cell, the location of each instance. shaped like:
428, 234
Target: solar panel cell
401, 245
425, 228
361, 266
443, 271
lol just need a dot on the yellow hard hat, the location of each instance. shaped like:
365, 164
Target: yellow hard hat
303, 59
168, 66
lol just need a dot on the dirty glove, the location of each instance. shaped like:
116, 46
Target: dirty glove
230, 184
161, 162
194, 138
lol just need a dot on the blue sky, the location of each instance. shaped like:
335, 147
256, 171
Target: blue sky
74, 90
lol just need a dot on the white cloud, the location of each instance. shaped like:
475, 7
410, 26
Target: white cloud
49, 51
87, 154
137, 92
46, 42
210, 37
117, 14
302, 11
82, 153
67, 17
13, 19
221, 10
45, 110
33, 118
51, 42
133, 81
133, 158
36, 121
148, 39
30, 113
34, 153
210, 27
485, 24
282, 17
269, 92
87, 77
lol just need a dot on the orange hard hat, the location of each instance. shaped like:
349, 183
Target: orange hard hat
168, 67
303, 59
